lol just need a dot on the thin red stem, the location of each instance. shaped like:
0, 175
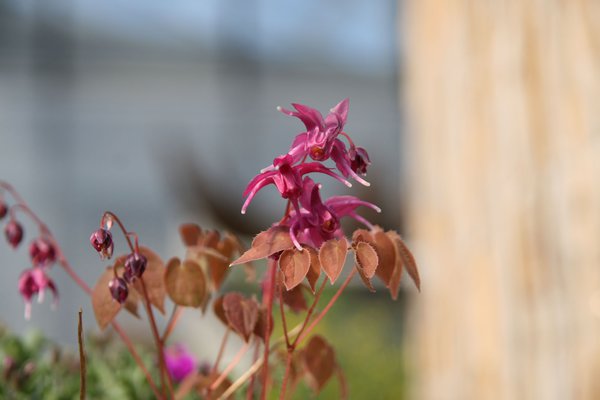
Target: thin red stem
283, 320
116, 219
327, 307
286, 376
250, 391
165, 378
311, 310
268, 299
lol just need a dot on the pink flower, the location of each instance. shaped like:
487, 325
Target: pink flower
318, 221
350, 162
34, 281
180, 362
287, 178
101, 241
320, 133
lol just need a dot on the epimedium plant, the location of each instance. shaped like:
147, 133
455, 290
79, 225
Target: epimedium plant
304, 249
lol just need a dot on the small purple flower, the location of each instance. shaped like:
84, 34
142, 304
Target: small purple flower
34, 281
135, 265
101, 241
180, 362
318, 221
351, 162
42, 252
14, 233
287, 178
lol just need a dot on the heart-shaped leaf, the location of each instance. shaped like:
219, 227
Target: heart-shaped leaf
105, 307
319, 362
332, 256
294, 265
241, 313
153, 278
294, 299
366, 262
190, 234
185, 283
386, 252
260, 329
266, 243
409, 262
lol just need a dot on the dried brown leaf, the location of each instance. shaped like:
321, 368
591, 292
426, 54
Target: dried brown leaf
332, 256
386, 251
314, 271
294, 265
105, 307
260, 329
190, 234
319, 362
154, 280
366, 262
266, 243
407, 259
185, 283
219, 311
241, 313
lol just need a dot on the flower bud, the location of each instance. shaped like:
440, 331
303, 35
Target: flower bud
359, 160
135, 265
101, 241
118, 289
42, 252
14, 233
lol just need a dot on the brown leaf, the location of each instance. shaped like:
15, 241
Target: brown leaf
190, 234
185, 283
332, 256
314, 271
362, 235
294, 299
219, 311
294, 264
319, 362
105, 307
266, 243
366, 262
260, 329
406, 258
154, 280
386, 251
241, 313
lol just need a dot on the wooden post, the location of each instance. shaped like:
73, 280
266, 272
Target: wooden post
503, 150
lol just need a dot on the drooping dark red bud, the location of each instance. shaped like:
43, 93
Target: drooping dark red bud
135, 265
118, 289
42, 252
101, 241
14, 233
3, 209
359, 160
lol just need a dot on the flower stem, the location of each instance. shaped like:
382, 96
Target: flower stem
221, 350
327, 307
126, 233
286, 376
175, 314
230, 367
165, 378
268, 301
310, 311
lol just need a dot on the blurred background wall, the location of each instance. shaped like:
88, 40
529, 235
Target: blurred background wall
504, 159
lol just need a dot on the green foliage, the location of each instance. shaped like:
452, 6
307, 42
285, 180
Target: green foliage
35, 368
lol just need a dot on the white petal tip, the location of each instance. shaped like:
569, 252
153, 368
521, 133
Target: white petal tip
348, 184
243, 212
278, 108
378, 209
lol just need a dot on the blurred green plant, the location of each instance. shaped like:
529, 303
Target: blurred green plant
36, 368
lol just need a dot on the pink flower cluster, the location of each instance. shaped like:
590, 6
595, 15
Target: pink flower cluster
35, 280
312, 221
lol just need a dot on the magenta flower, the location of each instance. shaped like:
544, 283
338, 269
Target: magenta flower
350, 162
287, 178
34, 281
320, 132
318, 221
180, 362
